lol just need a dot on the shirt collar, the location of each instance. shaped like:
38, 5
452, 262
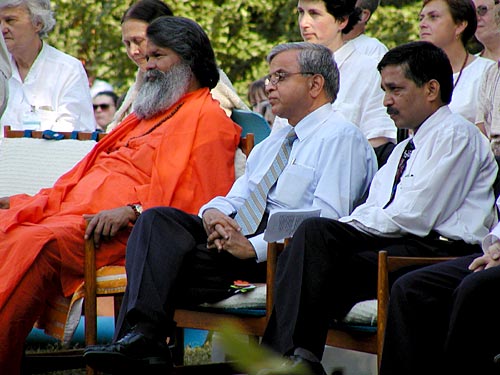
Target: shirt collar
313, 121
436, 119
343, 53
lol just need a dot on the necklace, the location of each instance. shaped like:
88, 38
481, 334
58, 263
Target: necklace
461, 69
150, 130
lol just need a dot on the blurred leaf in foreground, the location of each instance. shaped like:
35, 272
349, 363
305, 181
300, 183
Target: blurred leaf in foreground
254, 359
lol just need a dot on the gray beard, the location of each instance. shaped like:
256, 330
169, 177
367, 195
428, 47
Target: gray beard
160, 90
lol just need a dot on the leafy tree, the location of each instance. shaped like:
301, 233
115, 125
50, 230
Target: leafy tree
242, 32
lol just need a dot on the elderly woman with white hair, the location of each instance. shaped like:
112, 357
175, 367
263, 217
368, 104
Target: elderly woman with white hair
48, 88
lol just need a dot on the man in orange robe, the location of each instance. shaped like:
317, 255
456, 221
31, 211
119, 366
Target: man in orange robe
176, 149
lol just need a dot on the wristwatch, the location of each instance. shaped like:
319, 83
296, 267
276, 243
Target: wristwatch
137, 209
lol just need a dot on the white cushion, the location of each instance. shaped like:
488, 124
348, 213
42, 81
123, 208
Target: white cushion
254, 299
27, 165
363, 313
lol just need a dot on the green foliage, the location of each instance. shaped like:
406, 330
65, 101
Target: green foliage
394, 25
242, 32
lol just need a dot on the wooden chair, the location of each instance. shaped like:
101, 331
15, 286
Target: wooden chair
184, 318
364, 338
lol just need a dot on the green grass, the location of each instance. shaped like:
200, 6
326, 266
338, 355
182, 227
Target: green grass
192, 356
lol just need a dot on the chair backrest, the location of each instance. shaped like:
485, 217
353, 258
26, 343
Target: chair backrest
30, 164
251, 122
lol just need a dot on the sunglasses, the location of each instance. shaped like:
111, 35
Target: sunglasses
481, 10
104, 107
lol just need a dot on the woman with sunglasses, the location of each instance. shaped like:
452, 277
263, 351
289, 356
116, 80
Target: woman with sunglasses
449, 24
105, 104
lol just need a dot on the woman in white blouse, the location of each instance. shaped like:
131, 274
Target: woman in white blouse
449, 24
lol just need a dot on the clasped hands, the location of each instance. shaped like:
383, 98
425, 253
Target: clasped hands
491, 258
224, 234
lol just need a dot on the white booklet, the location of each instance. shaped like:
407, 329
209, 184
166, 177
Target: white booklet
283, 223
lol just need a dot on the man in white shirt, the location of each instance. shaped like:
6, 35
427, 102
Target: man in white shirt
330, 166
48, 89
5, 74
363, 43
442, 203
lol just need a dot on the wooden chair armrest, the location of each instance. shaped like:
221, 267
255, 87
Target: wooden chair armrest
273, 250
387, 264
90, 304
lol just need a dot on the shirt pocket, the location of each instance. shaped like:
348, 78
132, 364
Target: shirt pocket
407, 182
295, 185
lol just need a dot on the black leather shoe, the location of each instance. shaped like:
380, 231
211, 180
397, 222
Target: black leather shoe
132, 353
293, 364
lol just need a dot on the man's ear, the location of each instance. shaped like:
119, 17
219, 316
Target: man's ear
433, 90
365, 15
316, 85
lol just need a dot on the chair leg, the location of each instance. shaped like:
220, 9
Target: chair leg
177, 347
90, 303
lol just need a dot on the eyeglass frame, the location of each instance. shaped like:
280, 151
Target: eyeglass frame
280, 77
482, 10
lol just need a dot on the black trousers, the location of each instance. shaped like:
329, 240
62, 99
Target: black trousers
168, 265
443, 319
329, 267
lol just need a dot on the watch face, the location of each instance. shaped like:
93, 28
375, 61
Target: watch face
139, 209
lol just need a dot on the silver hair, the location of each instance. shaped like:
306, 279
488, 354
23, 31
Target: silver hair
39, 10
314, 58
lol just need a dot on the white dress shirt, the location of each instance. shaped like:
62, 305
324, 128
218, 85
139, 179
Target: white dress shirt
369, 46
330, 167
360, 98
446, 186
57, 87
466, 92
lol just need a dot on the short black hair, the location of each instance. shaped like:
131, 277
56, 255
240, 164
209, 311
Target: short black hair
422, 62
186, 38
344, 9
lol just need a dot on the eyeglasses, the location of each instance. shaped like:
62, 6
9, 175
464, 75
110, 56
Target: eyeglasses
276, 77
104, 107
481, 10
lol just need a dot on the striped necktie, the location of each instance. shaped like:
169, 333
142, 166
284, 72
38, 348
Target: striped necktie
250, 214
401, 168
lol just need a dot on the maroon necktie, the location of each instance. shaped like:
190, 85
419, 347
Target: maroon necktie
401, 168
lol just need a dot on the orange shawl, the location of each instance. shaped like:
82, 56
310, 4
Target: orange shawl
193, 162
